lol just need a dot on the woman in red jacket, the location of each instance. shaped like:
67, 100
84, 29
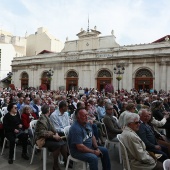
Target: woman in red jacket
27, 116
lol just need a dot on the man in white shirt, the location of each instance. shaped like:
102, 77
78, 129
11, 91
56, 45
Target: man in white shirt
60, 118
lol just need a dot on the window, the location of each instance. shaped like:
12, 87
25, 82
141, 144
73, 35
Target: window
72, 74
144, 73
104, 73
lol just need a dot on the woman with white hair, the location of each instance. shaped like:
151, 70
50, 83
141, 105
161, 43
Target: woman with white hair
139, 158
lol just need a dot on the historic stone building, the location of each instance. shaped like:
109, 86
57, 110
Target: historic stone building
89, 62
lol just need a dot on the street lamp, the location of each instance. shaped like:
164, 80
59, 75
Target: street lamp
50, 74
10, 76
119, 70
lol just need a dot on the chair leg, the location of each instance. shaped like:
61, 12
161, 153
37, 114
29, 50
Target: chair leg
14, 151
60, 159
74, 165
44, 158
68, 160
3, 147
33, 152
84, 166
120, 155
106, 143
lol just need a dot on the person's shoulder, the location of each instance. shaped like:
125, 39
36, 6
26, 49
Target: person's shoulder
106, 117
54, 114
23, 115
75, 126
142, 126
129, 133
7, 115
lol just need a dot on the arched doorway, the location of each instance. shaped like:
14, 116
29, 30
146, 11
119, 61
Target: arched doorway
143, 80
45, 80
24, 80
72, 81
104, 77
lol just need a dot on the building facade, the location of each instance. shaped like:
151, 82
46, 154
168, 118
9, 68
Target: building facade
42, 40
89, 62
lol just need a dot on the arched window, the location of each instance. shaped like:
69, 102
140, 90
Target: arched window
24, 80
143, 73
72, 74
24, 75
104, 73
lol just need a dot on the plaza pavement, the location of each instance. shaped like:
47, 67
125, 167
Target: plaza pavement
21, 164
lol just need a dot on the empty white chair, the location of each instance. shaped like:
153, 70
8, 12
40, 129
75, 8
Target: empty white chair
125, 152
166, 164
107, 142
66, 132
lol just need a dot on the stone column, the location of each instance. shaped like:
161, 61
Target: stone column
127, 78
168, 75
157, 80
163, 77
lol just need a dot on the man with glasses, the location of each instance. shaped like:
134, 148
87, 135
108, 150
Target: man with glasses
139, 158
13, 129
111, 123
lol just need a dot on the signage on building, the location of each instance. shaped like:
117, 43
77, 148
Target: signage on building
72, 58
104, 55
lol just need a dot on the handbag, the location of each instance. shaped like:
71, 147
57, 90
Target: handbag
40, 142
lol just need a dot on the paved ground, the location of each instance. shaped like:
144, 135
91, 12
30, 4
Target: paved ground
21, 164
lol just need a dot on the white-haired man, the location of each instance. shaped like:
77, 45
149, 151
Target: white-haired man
139, 158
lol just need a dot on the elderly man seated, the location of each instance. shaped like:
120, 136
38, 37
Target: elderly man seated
111, 123
146, 133
139, 158
83, 145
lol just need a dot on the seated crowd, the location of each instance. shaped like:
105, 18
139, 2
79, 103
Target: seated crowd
138, 117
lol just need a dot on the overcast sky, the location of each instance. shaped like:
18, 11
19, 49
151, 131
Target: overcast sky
133, 21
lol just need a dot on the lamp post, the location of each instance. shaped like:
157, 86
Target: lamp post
50, 73
9, 76
119, 70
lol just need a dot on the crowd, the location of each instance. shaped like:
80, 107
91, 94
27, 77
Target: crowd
137, 116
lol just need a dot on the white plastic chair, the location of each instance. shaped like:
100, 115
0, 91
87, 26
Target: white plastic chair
4, 111
107, 142
125, 152
32, 127
66, 132
166, 164
115, 118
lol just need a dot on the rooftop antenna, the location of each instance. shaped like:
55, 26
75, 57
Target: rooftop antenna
88, 24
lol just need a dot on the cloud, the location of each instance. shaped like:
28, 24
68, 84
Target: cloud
133, 21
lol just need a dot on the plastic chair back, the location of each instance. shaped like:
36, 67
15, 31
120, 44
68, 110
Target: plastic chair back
125, 152
166, 164
32, 126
